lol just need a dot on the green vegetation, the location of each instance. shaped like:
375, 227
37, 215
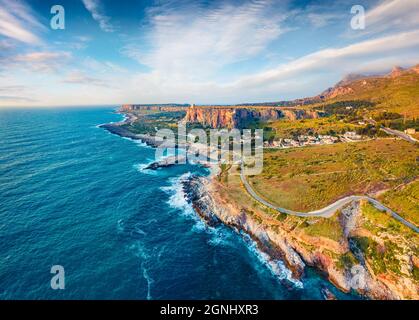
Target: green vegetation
382, 257
349, 109
324, 126
347, 261
149, 122
325, 227
310, 178
404, 200
398, 95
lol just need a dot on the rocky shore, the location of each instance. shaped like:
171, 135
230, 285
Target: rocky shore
279, 242
296, 251
119, 129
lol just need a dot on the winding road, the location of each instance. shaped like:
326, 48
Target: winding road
393, 132
328, 211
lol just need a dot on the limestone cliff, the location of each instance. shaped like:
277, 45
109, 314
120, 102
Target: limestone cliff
153, 107
238, 117
295, 248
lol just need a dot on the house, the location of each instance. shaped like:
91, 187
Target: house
351, 135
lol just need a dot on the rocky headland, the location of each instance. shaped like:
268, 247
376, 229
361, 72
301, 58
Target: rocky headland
210, 200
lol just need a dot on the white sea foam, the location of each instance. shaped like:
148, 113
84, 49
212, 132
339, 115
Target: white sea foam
149, 281
277, 267
141, 167
218, 235
120, 225
177, 198
138, 142
144, 259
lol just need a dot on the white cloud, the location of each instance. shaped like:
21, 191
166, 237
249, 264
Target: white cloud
95, 8
37, 61
18, 22
197, 42
392, 15
307, 75
78, 77
344, 59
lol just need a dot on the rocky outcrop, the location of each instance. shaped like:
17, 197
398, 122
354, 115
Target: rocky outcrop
336, 92
396, 72
415, 68
120, 130
239, 117
197, 190
294, 249
166, 162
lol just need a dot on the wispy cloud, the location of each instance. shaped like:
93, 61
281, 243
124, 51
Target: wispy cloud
37, 61
392, 15
309, 74
96, 10
11, 88
348, 58
18, 22
78, 77
16, 99
196, 41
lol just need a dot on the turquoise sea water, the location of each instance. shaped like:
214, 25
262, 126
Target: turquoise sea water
72, 194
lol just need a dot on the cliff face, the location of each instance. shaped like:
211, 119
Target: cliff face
238, 117
295, 249
153, 107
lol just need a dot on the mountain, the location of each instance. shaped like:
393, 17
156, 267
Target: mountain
397, 91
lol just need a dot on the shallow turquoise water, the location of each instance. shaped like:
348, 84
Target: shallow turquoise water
72, 194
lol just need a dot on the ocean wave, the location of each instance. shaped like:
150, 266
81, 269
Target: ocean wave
141, 167
219, 237
276, 267
138, 142
178, 200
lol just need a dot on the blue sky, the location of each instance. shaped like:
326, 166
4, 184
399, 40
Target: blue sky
202, 52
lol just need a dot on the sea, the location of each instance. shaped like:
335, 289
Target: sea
76, 196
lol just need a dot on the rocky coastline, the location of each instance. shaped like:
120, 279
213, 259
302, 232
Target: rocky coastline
204, 194
284, 245
119, 129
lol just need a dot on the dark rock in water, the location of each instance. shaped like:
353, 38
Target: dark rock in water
327, 294
166, 162
201, 202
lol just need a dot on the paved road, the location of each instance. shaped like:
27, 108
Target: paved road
399, 134
393, 132
328, 211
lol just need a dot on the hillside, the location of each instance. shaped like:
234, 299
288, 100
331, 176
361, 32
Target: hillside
396, 92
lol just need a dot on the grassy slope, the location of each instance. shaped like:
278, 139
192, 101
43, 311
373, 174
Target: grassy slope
404, 200
399, 94
313, 177
289, 128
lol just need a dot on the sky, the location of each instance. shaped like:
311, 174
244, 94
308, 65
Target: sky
195, 51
